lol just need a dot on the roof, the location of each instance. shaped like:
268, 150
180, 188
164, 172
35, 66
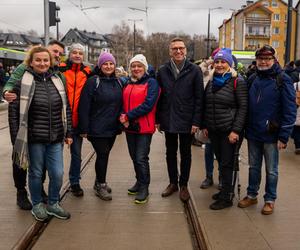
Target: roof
296, 7
22, 40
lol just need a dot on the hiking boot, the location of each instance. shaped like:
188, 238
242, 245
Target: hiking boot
97, 186
216, 196
208, 182
22, 200
142, 196
170, 189
220, 204
184, 194
220, 183
134, 189
246, 202
44, 196
39, 212
76, 190
268, 208
57, 211
102, 192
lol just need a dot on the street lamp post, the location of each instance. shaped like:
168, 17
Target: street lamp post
208, 30
145, 11
288, 32
134, 32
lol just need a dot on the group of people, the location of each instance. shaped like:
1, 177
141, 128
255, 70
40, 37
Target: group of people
52, 102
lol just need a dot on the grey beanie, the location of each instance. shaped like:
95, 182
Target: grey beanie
76, 46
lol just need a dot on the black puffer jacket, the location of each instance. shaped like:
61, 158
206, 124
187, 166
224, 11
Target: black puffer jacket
226, 108
45, 123
181, 101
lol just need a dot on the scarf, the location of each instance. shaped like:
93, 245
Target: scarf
220, 80
20, 149
176, 69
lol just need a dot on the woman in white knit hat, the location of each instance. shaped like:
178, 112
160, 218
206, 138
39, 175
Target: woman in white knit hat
140, 95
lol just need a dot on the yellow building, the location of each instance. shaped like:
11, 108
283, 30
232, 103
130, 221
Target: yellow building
258, 23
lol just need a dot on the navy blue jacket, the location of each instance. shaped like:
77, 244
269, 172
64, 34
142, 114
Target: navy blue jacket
181, 101
270, 104
100, 107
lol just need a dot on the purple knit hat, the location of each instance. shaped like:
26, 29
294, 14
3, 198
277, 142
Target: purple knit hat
106, 57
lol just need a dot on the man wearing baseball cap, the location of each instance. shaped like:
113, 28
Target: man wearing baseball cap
271, 117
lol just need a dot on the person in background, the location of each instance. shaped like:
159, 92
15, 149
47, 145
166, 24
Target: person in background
179, 113
40, 120
224, 120
99, 109
2, 79
56, 50
271, 118
76, 74
140, 95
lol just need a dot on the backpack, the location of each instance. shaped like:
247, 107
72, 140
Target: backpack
279, 80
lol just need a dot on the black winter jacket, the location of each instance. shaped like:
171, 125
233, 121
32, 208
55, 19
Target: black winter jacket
100, 107
226, 108
181, 101
45, 123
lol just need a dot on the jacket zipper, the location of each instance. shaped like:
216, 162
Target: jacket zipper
130, 97
73, 104
50, 109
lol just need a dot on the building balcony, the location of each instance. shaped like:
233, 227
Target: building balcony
258, 20
257, 35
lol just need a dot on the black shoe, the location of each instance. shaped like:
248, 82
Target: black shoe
134, 189
208, 182
216, 196
220, 204
22, 200
142, 196
44, 196
76, 190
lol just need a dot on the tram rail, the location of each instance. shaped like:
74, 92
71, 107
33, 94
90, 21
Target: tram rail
31, 236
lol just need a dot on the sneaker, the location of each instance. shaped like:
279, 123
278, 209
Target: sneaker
208, 182
221, 204
57, 211
268, 208
134, 189
102, 192
22, 200
76, 190
39, 212
97, 184
246, 202
184, 194
142, 196
44, 196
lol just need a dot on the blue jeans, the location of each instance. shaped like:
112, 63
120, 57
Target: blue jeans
50, 156
139, 149
209, 159
257, 151
74, 172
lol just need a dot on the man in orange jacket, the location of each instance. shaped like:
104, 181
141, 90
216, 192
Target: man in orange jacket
76, 74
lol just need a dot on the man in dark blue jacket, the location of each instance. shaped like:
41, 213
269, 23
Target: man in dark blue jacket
179, 113
271, 118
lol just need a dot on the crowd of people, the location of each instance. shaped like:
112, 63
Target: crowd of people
51, 102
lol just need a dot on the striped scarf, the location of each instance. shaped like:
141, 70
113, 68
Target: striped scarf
20, 149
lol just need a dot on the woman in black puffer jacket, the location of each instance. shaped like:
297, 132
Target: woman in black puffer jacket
226, 100
40, 120
99, 108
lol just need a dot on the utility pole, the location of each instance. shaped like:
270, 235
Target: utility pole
288, 32
134, 32
208, 31
46, 21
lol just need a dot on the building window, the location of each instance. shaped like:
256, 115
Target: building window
274, 4
276, 17
250, 30
275, 44
266, 3
275, 30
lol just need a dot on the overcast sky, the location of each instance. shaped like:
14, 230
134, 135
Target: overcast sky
189, 16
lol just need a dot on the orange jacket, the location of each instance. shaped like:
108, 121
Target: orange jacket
76, 76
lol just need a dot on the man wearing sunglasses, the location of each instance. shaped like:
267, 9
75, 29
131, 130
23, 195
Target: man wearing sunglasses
179, 113
271, 117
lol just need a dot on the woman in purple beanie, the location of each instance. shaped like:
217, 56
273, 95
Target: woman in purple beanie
99, 109
226, 100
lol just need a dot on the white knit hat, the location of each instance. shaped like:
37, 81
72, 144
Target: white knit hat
76, 46
139, 58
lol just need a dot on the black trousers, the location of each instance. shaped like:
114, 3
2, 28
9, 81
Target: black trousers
102, 147
185, 143
224, 152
